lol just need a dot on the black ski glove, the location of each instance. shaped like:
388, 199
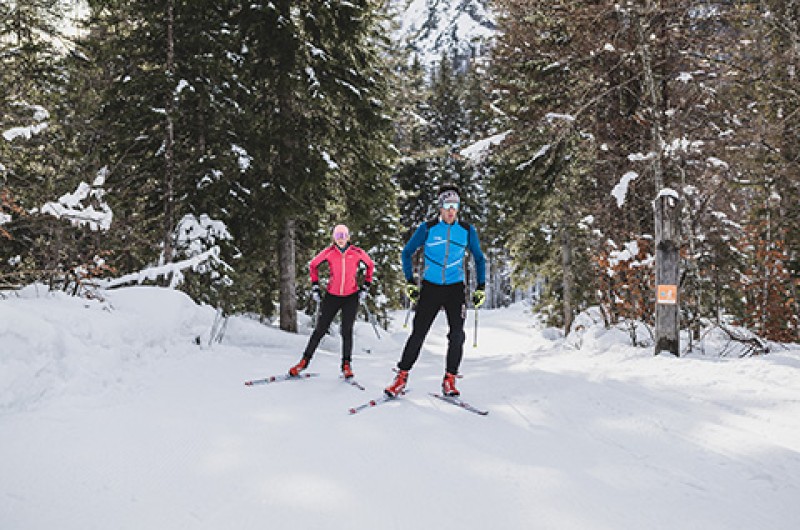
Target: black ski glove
412, 290
316, 294
479, 296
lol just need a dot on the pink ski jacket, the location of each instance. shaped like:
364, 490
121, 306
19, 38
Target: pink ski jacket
343, 268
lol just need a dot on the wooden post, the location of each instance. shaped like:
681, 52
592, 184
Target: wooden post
667, 208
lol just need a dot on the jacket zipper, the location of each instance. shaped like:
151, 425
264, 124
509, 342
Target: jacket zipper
341, 289
446, 255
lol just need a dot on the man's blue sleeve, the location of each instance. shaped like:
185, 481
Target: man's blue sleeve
416, 241
477, 255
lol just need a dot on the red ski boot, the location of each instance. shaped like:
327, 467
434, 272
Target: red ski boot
295, 370
398, 385
347, 372
449, 385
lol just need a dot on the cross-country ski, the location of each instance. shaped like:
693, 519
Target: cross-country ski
280, 378
352, 382
457, 401
384, 398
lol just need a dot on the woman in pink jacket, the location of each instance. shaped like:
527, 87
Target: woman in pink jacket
342, 294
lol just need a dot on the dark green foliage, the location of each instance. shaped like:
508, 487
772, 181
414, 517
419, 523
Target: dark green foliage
37, 155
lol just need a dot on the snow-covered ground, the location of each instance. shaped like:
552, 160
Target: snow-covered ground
111, 416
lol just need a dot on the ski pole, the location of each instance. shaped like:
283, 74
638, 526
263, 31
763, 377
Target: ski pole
408, 314
371, 319
316, 314
216, 328
475, 340
411, 305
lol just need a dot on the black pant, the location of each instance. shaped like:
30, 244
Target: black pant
432, 297
331, 304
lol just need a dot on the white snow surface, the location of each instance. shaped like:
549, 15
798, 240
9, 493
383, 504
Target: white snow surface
112, 416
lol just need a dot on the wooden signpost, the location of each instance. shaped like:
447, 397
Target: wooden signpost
667, 208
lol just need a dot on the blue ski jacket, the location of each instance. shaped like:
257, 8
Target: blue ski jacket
445, 248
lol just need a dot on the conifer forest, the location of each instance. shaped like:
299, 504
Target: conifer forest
211, 146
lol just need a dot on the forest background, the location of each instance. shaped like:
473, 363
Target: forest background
211, 146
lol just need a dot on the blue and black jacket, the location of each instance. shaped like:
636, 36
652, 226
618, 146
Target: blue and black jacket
445, 248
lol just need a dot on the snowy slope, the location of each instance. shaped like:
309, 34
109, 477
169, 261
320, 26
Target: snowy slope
428, 28
112, 417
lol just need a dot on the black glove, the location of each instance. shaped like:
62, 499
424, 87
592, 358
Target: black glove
479, 296
412, 290
363, 292
316, 294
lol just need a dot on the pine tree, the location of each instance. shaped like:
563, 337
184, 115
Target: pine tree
543, 179
360, 189
33, 170
410, 96
445, 113
318, 106
163, 77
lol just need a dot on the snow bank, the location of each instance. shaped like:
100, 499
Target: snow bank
54, 343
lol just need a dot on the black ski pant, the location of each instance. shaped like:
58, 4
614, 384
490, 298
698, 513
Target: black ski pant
331, 304
433, 297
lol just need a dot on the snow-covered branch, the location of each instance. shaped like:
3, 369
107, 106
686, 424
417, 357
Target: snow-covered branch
173, 270
72, 207
40, 114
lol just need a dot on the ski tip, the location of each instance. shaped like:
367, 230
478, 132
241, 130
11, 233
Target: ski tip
248, 383
353, 411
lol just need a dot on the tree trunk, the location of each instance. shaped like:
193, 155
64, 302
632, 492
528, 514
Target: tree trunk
667, 223
568, 282
169, 141
651, 86
286, 259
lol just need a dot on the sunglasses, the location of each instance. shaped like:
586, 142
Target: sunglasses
448, 205
340, 235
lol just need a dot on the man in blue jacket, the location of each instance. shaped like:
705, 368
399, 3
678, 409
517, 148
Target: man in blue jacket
446, 242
